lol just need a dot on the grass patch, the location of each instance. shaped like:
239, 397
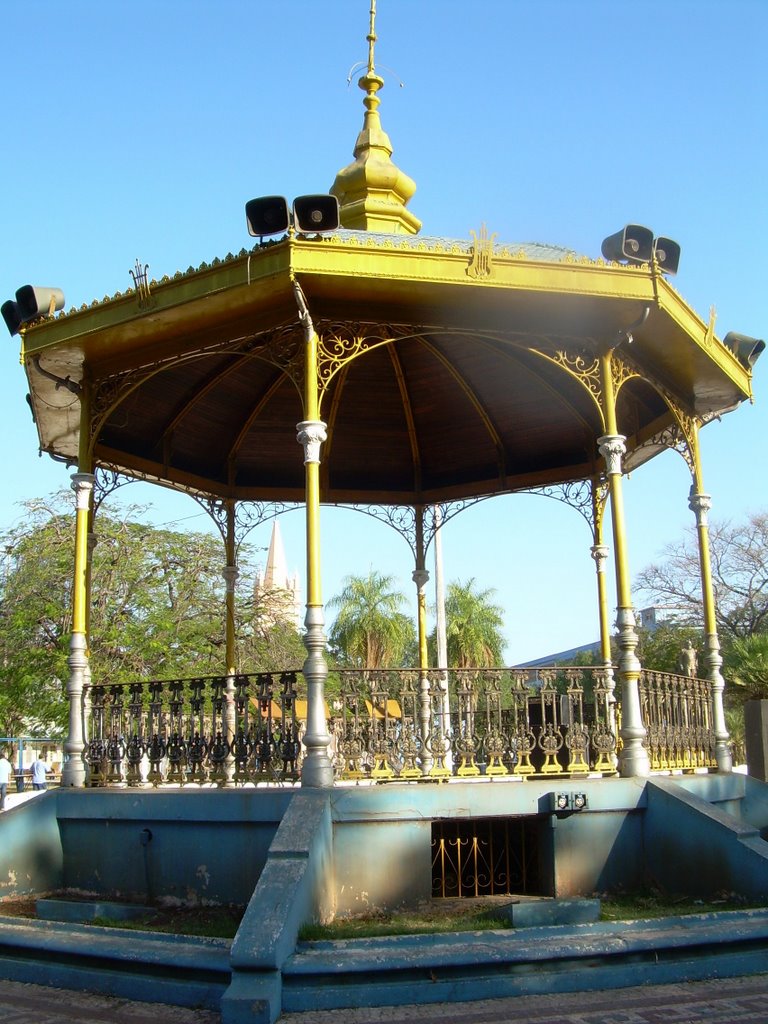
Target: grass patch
428, 921
630, 906
453, 916
211, 922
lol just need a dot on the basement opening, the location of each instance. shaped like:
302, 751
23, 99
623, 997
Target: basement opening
475, 857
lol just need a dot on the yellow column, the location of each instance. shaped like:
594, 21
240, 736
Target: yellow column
700, 504
633, 760
317, 769
73, 771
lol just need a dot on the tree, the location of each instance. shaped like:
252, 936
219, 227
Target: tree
739, 555
157, 611
660, 649
474, 626
371, 629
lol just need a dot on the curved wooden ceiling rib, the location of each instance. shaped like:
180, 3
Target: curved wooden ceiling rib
266, 397
408, 411
474, 400
504, 351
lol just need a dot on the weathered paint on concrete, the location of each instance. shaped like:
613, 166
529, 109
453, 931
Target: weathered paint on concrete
693, 847
195, 838
31, 857
294, 888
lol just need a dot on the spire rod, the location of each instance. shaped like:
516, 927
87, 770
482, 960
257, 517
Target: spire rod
372, 39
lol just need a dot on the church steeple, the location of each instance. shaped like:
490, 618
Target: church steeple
372, 191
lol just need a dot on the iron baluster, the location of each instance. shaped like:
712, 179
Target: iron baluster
577, 735
95, 753
352, 746
218, 749
197, 745
466, 741
176, 746
523, 738
550, 738
290, 746
157, 748
136, 747
603, 736
116, 741
493, 742
379, 713
411, 743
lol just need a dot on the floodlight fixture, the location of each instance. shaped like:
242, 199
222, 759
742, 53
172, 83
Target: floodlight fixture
268, 215
313, 214
747, 350
666, 254
636, 244
12, 316
316, 213
31, 303
633, 244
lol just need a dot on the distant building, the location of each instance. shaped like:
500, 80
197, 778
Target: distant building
278, 595
649, 619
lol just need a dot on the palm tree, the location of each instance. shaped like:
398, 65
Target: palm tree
474, 626
371, 630
746, 667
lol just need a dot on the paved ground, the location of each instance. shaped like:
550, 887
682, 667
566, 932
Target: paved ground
734, 1001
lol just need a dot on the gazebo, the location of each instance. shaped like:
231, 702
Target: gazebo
418, 375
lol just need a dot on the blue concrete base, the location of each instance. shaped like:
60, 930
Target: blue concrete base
533, 913
398, 970
89, 910
315, 854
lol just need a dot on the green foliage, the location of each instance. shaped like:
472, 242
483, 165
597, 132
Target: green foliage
474, 627
157, 611
371, 630
745, 667
660, 649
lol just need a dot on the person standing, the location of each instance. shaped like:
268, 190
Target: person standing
39, 773
5, 777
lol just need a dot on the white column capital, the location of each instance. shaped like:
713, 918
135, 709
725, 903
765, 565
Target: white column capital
699, 504
311, 434
600, 554
420, 577
82, 485
612, 447
230, 574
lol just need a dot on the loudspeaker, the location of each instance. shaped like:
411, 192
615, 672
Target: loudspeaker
267, 215
34, 302
667, 254
316, 213
12, 316
634, 244
747, 350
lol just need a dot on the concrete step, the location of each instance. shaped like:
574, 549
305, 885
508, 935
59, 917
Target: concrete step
147, 966
395, 970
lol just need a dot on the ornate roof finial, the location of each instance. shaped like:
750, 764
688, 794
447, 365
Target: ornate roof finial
372, 191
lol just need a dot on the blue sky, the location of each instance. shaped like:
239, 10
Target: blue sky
139, 129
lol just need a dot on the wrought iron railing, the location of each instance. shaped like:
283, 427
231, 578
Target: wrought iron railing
387, 725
